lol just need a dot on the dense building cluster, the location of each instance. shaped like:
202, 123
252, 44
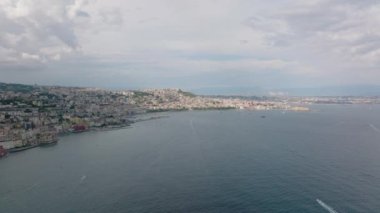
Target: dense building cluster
175, 99
34, 115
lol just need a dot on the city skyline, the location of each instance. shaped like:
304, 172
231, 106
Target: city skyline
191, 44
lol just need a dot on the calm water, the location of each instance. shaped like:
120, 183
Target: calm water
209, 161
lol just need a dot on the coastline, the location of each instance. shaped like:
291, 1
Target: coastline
137, 118
140, 118
147, 116
93, 129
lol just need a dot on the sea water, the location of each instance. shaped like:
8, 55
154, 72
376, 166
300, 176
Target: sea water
325, 160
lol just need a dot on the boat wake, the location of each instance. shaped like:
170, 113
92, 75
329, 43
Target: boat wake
83, 178
325, 206
374, 128
191, 124
192, 127
32, 186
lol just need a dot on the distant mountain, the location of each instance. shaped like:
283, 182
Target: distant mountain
17, 87
230, 91
355, 90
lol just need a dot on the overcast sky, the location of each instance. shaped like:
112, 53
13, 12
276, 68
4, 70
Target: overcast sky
190, 43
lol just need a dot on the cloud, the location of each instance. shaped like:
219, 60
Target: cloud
30, 56
111, 16
38, 30
344, 28
317, 42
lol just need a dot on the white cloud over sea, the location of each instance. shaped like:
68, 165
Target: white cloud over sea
190, 43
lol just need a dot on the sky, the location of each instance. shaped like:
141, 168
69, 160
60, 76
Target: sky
190, 44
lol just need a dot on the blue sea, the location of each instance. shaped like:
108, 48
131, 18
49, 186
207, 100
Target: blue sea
325, 160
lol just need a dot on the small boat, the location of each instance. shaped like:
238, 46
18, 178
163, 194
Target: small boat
78, 129
263, 116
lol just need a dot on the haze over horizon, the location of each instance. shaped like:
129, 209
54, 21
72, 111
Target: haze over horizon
224, 46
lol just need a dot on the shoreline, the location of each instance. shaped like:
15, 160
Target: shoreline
102, 129
135, 120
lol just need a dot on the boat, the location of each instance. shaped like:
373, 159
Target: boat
78, 129
3, 152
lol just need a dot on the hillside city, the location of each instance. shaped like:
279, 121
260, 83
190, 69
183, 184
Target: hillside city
32, 116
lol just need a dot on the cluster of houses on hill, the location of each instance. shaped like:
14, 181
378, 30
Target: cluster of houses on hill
33, 117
